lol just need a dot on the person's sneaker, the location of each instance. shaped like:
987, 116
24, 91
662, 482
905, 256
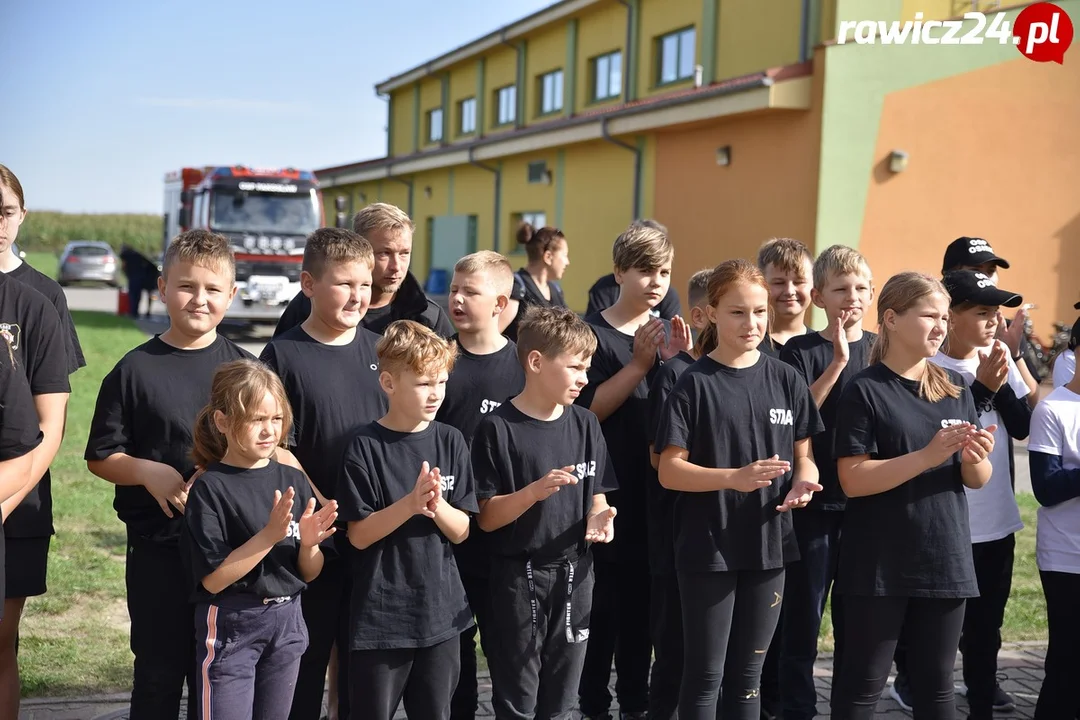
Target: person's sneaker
900, 691
633, 716
1003, 702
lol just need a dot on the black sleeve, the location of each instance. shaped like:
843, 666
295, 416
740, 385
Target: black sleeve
357, 493
111, 428
601, 297
600, 371
670, 306
807, 417
268, 357
47, 355
463, 496
296, 312
20, 432
1015, 412
606, 480
856, 424
971, 413
794, 357
206, 531
485, 465
676, 425
658, 395
1052, 483
76, 359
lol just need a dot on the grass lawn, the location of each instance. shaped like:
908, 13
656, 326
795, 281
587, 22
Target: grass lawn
75, 638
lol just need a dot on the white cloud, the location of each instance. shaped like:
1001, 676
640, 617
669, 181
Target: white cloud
225, 104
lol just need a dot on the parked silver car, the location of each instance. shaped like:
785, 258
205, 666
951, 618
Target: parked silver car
87, 261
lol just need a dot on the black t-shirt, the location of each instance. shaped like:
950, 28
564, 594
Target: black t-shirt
627, 434
913, 540
811, 355
37, 345
227, 506
409, 303
407, 592
728, 418
605, 292
55, 294
20, 431
511, 450
146, 408
527, 293
333, 390
661, 500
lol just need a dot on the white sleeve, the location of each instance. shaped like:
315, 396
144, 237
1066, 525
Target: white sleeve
1046, 436
1064, 367
1016, 380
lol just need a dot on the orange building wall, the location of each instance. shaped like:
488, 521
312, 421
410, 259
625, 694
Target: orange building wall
1005, 166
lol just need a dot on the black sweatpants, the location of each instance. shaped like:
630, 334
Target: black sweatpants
325, 605
162, 629
667, 639
540, 629
248, 652
424, 678
619, 631
467, 695
983, 618
1058, 699
728, 622
872, 625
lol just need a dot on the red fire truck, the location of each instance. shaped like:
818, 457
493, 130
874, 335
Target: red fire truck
265, 213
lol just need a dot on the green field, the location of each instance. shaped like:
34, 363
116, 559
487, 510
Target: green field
48, 232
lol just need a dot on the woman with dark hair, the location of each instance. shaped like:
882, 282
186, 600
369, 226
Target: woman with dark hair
538, 282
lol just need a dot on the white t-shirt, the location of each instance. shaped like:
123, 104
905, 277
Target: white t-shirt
992, 510
1064, 367
1055, 430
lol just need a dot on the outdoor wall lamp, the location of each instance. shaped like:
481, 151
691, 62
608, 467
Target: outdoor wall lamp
427, 192
898, 160
723, 156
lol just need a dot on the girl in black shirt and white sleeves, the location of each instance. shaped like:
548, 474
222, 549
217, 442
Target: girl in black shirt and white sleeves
734, 440
907, 443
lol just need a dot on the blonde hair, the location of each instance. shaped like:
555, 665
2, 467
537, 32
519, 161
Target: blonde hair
200, 247
839, 260
900, 294
237, 391
698, 289
721, 279
551, 331
785, 254
497, 267
642, 246
537, 242
335, 246
408, 345
381, 216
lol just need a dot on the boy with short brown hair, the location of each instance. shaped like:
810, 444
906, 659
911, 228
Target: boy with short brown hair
788, 266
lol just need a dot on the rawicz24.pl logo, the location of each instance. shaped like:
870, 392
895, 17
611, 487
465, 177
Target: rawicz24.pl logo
1041, 32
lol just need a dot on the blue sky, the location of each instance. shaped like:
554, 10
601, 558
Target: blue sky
102, 99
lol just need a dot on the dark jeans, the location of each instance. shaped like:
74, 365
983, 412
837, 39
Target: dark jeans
424, 678
871, 627
467, 696
248, 653
983, 619
162, 630
667, 638
728, 622
619, 629
807, 588
1058, 699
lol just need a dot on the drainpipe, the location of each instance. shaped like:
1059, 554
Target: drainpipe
637, 164
804, 32
406, 183
498, 196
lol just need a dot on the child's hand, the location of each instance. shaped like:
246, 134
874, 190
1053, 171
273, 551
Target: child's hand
946, 442
681, 339
277, 528
601, 526
317, 526
993, 366
551, 483
799, 496
979, 445
841, 351
1014, 333
759, 474
647, 341
433, 504
167, 486
425, 490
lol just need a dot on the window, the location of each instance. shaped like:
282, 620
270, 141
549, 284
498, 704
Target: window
467, 116
506, 105
536, 218
435, 128
551, 92
676, 56
607, 76
537, 172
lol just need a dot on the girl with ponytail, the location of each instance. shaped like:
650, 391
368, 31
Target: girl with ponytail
537, 284
907, 443
734, 441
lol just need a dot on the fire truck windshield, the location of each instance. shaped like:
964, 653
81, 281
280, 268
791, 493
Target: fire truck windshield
235, 210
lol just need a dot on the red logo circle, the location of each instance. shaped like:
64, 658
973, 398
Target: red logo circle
1043, 32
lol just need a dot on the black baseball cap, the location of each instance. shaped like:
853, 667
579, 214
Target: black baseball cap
969, 251
1076, 306
975, 287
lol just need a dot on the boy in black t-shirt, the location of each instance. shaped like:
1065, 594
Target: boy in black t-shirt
827, 360
788, 266
542, 469
666, 616
630, 345
408, 605
141, 439
486, 374
330, 371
